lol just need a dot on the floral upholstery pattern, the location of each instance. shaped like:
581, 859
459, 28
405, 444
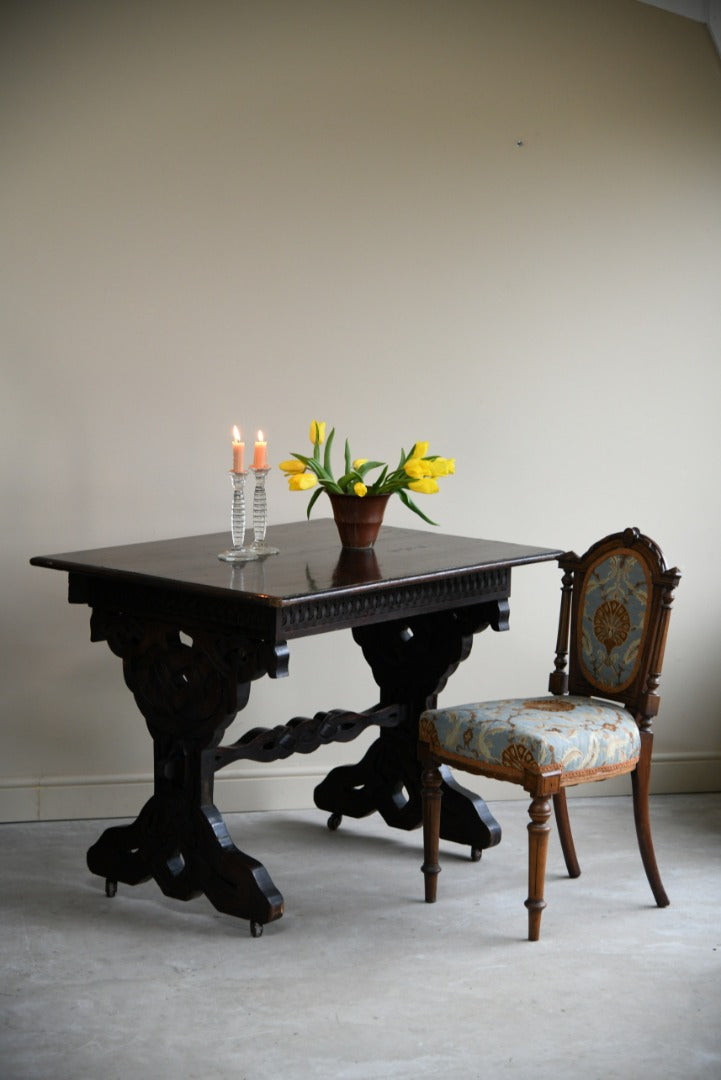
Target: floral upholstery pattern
614, 608
573, 734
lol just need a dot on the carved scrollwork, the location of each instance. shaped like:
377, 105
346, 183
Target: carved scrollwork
188, 685
411, 660
416, 599
414, 657
303, 735
188, 851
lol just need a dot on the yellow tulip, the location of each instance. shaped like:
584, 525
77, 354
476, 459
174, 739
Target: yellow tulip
426, 486
292, 466
443, 466
420, 450
302, 481
360, 489
359, 461
417, 468
317, 431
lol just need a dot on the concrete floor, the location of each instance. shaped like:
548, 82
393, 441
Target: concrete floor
360, 979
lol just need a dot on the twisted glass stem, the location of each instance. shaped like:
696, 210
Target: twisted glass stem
237, 513
260, 507
237, 553
260, 515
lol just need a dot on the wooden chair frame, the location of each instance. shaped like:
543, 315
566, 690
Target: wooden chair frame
640, 697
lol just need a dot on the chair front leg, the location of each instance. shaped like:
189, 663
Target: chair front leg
431, 794
538, 830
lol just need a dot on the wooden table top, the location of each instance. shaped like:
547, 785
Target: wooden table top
310, 563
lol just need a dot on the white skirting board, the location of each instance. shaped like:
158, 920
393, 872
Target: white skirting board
285, 787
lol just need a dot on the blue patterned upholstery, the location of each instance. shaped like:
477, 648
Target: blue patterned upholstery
596, 722
614, 609
574, 734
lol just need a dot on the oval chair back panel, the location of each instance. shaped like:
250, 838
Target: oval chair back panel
613, 613
619, 594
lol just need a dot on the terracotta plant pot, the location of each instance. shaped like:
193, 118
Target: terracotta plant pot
358, 519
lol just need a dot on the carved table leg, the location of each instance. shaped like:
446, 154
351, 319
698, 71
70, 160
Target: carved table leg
185, 846
411, 662
188, 694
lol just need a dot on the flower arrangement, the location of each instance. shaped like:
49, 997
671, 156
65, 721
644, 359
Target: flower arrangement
417, 471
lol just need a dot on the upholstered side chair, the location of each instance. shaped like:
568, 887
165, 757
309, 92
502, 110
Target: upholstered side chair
615, 605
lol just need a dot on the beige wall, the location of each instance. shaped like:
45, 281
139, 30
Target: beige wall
264, 212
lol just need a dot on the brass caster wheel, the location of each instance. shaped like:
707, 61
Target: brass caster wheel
334, 821
111, 887
256, 929
476, 853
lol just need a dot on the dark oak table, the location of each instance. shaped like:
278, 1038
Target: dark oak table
194, 632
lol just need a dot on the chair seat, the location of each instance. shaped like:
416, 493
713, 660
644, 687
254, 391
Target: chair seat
578, 735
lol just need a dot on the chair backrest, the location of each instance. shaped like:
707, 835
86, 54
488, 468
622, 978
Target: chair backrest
615, 611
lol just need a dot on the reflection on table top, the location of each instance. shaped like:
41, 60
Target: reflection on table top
311, 562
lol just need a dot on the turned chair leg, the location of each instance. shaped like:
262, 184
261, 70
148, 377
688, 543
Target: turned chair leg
565, 835
640, 780
431, 794
538, 831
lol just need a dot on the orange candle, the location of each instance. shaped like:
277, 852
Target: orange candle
238, 451
260, 456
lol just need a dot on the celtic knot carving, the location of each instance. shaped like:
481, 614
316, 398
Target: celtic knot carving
190, 686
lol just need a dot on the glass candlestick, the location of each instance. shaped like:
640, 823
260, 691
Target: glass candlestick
260, 514
238, 553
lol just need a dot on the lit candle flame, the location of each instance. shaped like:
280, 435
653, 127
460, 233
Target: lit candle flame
236, 433
260, 437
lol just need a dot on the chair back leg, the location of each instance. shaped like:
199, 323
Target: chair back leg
538, 830
640, 780
565, 835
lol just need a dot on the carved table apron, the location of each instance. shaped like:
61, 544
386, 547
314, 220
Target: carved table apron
194, 632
